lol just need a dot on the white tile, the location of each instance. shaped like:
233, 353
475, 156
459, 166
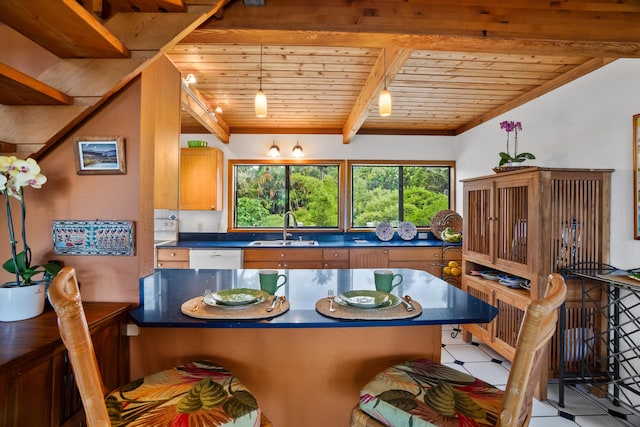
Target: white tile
598, 421
491, 372
492, 353
543, 409
468, 353
574, 403
551, 422
446, 357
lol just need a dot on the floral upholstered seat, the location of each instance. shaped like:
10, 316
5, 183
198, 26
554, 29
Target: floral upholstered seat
425, 393
195, 394
421, 392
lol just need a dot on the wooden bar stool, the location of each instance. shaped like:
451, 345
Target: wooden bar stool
198, 393
421, 392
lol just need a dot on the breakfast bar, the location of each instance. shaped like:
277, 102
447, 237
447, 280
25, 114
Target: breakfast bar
304, 364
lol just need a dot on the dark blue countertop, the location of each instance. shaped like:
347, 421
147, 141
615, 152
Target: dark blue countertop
325, 240
163, 292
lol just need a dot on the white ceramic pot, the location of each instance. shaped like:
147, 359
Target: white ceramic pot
21, 302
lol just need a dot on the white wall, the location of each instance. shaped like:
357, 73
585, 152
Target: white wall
584, 124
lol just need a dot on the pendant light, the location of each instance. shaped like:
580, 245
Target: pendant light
261, 98
384, 102
274, 151
297, 150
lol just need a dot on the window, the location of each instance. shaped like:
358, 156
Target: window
400, 191
264, 191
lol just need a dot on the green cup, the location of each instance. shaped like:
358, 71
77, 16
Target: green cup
385, 280
269, 281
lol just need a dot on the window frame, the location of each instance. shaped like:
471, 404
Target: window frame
349, 183
231, 193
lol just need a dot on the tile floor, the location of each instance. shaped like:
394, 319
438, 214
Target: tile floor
581, 408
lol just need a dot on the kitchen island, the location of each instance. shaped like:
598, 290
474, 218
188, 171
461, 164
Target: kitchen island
305, 369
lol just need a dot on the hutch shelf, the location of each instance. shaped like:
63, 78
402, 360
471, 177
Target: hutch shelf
529, 223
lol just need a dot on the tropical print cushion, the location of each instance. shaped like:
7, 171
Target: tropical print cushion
191, 395
425, 393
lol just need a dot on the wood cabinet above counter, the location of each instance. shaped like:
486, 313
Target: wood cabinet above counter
201, 178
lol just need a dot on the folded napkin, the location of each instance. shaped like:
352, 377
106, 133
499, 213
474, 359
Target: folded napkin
195, 307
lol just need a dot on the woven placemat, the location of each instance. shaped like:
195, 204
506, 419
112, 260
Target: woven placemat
345, 312
198, 309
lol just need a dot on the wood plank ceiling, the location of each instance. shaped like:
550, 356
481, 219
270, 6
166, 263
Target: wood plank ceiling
449, 67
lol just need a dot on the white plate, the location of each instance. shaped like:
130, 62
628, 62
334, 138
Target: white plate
407, 230
384, 231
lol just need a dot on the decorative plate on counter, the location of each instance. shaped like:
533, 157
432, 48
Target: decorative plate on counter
443, 219
235, 297
407, 230
384, 231
489, 275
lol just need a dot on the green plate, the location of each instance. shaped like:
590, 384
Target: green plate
237, 296
368, 299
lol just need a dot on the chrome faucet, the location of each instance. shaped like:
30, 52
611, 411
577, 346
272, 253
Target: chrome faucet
284, 227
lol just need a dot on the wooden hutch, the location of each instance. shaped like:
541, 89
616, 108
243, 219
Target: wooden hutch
529, 223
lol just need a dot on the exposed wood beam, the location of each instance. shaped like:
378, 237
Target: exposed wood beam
565, 78
196, 105
64, 28
17, 88
395, 58
607, 22
415, 41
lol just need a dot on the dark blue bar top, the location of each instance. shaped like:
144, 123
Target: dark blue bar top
163, 292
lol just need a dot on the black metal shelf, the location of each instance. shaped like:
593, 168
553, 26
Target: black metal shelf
607, 353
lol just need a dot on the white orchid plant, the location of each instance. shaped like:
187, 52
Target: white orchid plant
15, 175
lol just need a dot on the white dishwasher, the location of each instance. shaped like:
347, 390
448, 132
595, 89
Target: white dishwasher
215, 258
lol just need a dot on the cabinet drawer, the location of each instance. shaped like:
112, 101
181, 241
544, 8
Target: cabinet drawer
335, 264
173, 264
414, 254
335, 255
283, 264
283, 255
173, 254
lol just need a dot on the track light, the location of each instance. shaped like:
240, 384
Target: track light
190, 79
297, 150
274, 151
261, 98
384, 101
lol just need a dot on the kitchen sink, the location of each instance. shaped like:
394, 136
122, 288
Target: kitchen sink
270, 243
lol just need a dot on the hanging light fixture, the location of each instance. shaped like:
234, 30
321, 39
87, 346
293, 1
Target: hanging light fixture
261, 98
297, 150
274, 151
190, 79
384, 102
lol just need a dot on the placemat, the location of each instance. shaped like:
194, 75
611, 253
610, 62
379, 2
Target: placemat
354, 313
198, 309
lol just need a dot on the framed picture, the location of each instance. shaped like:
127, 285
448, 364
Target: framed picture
103, 155
636, 175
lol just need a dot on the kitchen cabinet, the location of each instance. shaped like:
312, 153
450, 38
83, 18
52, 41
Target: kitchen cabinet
279, 258
529, 223
335, 258
429, 259
201, 178
369, 257
172, 257
37, 386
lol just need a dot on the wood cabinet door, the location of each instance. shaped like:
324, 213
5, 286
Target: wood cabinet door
201, 178
172, 258
369, 258
484, 293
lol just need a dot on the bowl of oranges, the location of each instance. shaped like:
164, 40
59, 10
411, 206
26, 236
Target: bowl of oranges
452, 269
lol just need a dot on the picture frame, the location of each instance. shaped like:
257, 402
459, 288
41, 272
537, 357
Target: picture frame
636, 175
100, 155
